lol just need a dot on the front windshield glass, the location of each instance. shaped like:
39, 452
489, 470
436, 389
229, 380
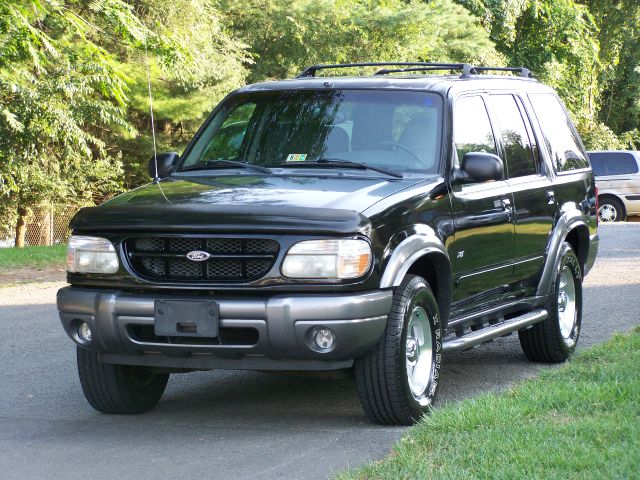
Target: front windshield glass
398, 130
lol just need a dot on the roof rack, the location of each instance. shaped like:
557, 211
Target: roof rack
467, 69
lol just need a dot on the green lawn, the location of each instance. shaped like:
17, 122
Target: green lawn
37, 257
580, 421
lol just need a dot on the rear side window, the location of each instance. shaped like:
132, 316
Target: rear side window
472, 129
559, 135
613, 163
515, 138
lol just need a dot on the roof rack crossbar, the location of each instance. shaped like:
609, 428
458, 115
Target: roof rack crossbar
312, 70
467, 69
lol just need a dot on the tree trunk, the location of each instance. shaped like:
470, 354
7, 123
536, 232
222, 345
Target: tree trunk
21, 226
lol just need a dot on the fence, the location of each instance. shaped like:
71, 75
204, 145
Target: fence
46, 225
49, 224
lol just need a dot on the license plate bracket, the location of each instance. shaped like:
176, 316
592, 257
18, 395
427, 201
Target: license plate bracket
186, 318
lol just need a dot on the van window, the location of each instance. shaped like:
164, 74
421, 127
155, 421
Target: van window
515, 138
613, 163
559, 134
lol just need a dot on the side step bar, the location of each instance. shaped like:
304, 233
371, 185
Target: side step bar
493, 331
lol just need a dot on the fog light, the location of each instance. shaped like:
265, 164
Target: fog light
84, 332
324, 338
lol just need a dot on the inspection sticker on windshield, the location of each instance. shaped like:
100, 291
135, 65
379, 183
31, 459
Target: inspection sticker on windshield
296, 157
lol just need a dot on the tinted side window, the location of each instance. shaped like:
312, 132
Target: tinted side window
515, 138
613, 163
471, 127
561, 138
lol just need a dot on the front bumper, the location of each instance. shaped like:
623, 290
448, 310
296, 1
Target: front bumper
265, 333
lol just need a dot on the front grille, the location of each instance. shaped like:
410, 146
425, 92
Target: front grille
230, 259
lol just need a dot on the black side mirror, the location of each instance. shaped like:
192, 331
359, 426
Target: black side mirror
481, 167
166, 163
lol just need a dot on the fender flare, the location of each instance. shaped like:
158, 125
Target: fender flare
424, 242
570, 219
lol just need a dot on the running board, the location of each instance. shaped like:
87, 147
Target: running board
493, 331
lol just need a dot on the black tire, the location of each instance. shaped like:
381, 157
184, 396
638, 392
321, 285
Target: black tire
381, 376
616, 205
119, 389
545, 341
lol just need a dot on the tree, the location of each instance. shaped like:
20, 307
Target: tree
64, 89
285, 35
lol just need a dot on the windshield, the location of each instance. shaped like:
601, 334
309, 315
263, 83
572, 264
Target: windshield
397, 130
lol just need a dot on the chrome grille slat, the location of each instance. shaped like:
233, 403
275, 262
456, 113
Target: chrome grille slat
231, 259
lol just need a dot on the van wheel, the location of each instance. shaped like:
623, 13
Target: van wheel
397, 381
555, 339
610, 210
120, 389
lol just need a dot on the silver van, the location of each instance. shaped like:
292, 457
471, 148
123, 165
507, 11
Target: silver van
618, 179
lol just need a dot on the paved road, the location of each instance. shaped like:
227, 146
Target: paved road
240, 424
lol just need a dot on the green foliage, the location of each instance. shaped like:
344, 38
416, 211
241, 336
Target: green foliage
58, 96
578, 421
586, 49
72, 84
74, 106
33, 257
285, 35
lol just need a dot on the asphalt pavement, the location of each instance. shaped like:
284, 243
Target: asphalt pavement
245, 425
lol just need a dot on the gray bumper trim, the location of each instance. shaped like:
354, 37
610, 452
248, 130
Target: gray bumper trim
282, 322
594, 241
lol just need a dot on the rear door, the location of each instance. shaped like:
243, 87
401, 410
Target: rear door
534, 201
482, 254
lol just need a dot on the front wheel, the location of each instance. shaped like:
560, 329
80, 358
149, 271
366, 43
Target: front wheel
120, 389
555, 339
397, 381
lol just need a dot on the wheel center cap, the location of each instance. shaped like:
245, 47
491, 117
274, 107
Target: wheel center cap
562, 302
413, 349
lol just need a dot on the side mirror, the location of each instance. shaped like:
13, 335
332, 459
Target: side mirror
166, 163
481, 167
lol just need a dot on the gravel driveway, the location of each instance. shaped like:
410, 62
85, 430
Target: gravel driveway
241, 424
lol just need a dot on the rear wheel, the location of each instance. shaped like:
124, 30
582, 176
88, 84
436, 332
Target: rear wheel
120, 389
555, 339
610, 210
397, 381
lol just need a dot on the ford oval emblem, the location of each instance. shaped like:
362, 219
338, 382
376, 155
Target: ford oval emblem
198, 256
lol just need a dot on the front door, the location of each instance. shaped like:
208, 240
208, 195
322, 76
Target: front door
482, 253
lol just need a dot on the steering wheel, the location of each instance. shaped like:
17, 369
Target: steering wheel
401, 146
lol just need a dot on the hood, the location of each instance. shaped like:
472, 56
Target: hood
324, 204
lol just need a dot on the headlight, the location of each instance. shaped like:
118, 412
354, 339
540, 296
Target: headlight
91, 255
348, 258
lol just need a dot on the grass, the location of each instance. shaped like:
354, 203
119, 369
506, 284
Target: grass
579, 421
36, 257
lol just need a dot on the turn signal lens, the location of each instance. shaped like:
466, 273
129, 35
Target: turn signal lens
340, 259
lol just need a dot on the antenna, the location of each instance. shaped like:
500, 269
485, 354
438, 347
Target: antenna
156, 178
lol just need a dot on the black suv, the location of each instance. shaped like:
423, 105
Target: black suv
370, 222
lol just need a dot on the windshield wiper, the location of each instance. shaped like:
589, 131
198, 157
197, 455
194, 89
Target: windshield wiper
211, 164
334, 162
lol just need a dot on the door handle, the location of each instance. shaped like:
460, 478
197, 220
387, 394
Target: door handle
506, 206
551, 197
